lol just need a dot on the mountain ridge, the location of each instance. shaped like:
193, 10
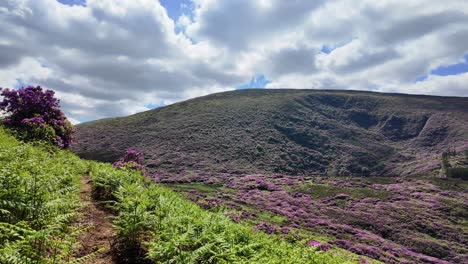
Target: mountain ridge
292, 131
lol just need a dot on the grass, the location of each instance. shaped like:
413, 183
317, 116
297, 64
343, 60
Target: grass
320, 191
201, 187
449, 184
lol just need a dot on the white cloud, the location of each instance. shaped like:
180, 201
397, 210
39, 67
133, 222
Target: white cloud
26, 68
453, 85
112, 58
183, 21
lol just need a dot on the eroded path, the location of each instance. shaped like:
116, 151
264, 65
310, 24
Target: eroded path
100, 234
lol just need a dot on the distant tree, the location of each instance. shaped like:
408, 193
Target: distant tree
446, 159
458, 172
35, 114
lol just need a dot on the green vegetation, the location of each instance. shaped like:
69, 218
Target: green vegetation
454, 165
39, 196
39, 199
461, 173
320, 191
174, 230
200, 187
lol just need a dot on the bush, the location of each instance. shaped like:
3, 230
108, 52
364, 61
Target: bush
458, 172
35, 115
133, 160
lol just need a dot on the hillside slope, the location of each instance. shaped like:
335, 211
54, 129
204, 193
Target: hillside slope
43, 220
288, 131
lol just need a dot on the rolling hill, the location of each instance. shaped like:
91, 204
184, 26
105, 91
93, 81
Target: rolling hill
288, 131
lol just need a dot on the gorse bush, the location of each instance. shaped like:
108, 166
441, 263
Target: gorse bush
39, 196
35, 115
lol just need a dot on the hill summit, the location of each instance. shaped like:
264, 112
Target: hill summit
288, 131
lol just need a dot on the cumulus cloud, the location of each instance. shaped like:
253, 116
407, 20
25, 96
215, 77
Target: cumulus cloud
112, 58
105, 58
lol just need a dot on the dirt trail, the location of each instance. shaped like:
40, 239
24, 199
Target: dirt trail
101, 234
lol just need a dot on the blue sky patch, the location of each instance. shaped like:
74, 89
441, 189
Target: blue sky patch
155, 105
260, 81
177, 8
452, 69
73, 2
421, 78
327, 48
20, 83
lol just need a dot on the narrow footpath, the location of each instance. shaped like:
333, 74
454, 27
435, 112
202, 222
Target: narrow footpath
99, 236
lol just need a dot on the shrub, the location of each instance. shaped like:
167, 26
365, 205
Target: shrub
35, 115
131, 159
458, 172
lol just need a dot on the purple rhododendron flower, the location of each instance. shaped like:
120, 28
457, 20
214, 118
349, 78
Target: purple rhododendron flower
266, 227
132, 159
314, 243
35, 113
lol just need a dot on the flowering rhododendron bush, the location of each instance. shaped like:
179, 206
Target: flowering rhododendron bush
131, 159
35, 114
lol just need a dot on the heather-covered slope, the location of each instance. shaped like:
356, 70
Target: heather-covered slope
288, 131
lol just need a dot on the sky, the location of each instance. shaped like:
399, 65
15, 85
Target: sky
107, 58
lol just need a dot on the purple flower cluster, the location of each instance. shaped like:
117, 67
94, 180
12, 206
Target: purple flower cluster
395, 220
36, 115
237, 217
266, 227
320, 246
131, 159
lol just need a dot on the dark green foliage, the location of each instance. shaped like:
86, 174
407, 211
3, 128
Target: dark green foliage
457, 172
449, 153
445, 161
454, 170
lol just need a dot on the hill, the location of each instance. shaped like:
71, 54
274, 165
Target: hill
288, 131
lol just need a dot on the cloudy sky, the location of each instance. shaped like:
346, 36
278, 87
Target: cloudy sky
109, 58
